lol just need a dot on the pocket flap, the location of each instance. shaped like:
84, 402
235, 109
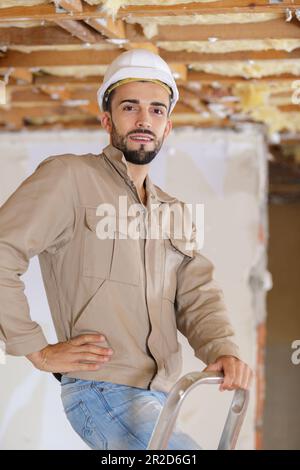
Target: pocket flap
185, 247
91, 218
120, 226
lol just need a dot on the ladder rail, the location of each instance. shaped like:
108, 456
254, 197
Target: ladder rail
181, 389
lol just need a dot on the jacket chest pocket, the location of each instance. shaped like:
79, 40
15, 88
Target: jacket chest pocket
115, 258
175, 252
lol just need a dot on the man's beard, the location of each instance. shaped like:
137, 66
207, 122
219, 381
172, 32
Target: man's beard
140, 156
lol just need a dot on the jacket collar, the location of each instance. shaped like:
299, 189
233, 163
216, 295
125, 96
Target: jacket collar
117, 159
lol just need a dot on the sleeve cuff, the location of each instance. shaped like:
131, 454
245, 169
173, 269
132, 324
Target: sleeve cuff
26, 345
213, 350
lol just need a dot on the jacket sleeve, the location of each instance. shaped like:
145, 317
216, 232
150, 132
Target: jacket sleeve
201, 314
39, 216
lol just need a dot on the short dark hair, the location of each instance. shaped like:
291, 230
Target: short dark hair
107, 103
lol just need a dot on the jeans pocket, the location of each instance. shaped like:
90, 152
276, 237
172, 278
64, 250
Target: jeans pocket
82, 422
72, 385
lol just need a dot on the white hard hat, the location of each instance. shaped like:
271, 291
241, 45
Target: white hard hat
134, 65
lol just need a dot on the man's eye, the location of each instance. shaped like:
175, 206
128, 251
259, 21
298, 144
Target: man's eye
160, 111
128, 106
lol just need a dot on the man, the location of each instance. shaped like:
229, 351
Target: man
116, 301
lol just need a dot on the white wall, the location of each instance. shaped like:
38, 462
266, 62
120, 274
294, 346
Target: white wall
222, 169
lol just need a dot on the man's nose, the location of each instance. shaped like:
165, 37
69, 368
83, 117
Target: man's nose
143, 119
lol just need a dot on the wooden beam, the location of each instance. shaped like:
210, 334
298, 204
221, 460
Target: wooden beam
87, 123
274, 29
192, 100
70, 82
38, 111
202, 77
58, 58
79, 30
48, 13
91, 107
53, 35
194, 80
188, 57
194, 119
142, 45
37, 36
105, 57
48, 93
115, 31
16, 117
109, 28
285, 188
21, 75
289, 108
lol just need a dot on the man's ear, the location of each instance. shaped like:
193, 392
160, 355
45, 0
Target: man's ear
106, 121
168, 128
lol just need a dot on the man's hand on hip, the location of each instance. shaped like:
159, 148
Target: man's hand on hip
76, 354
237, 374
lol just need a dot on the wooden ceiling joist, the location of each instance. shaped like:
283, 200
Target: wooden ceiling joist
48, 93
202, 77
273, 29
57, 58
48, 11
38, 36
22, 75
89, 29
109, 28
68, 97
80, 31
189, 57
52, 35
36, 112
193, 79
76, 28
105, 57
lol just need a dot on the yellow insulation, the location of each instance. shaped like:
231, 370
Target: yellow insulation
256, 101
276, 120
249, 69
150, 24
216, 47
77, 70
111, 7
64, 47
21, 24
52, 119
251, 95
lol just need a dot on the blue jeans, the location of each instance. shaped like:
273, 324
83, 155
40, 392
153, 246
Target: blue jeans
116, 417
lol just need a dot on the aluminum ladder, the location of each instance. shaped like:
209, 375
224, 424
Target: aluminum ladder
180, 390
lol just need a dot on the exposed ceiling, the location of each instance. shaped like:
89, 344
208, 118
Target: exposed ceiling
233, 60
